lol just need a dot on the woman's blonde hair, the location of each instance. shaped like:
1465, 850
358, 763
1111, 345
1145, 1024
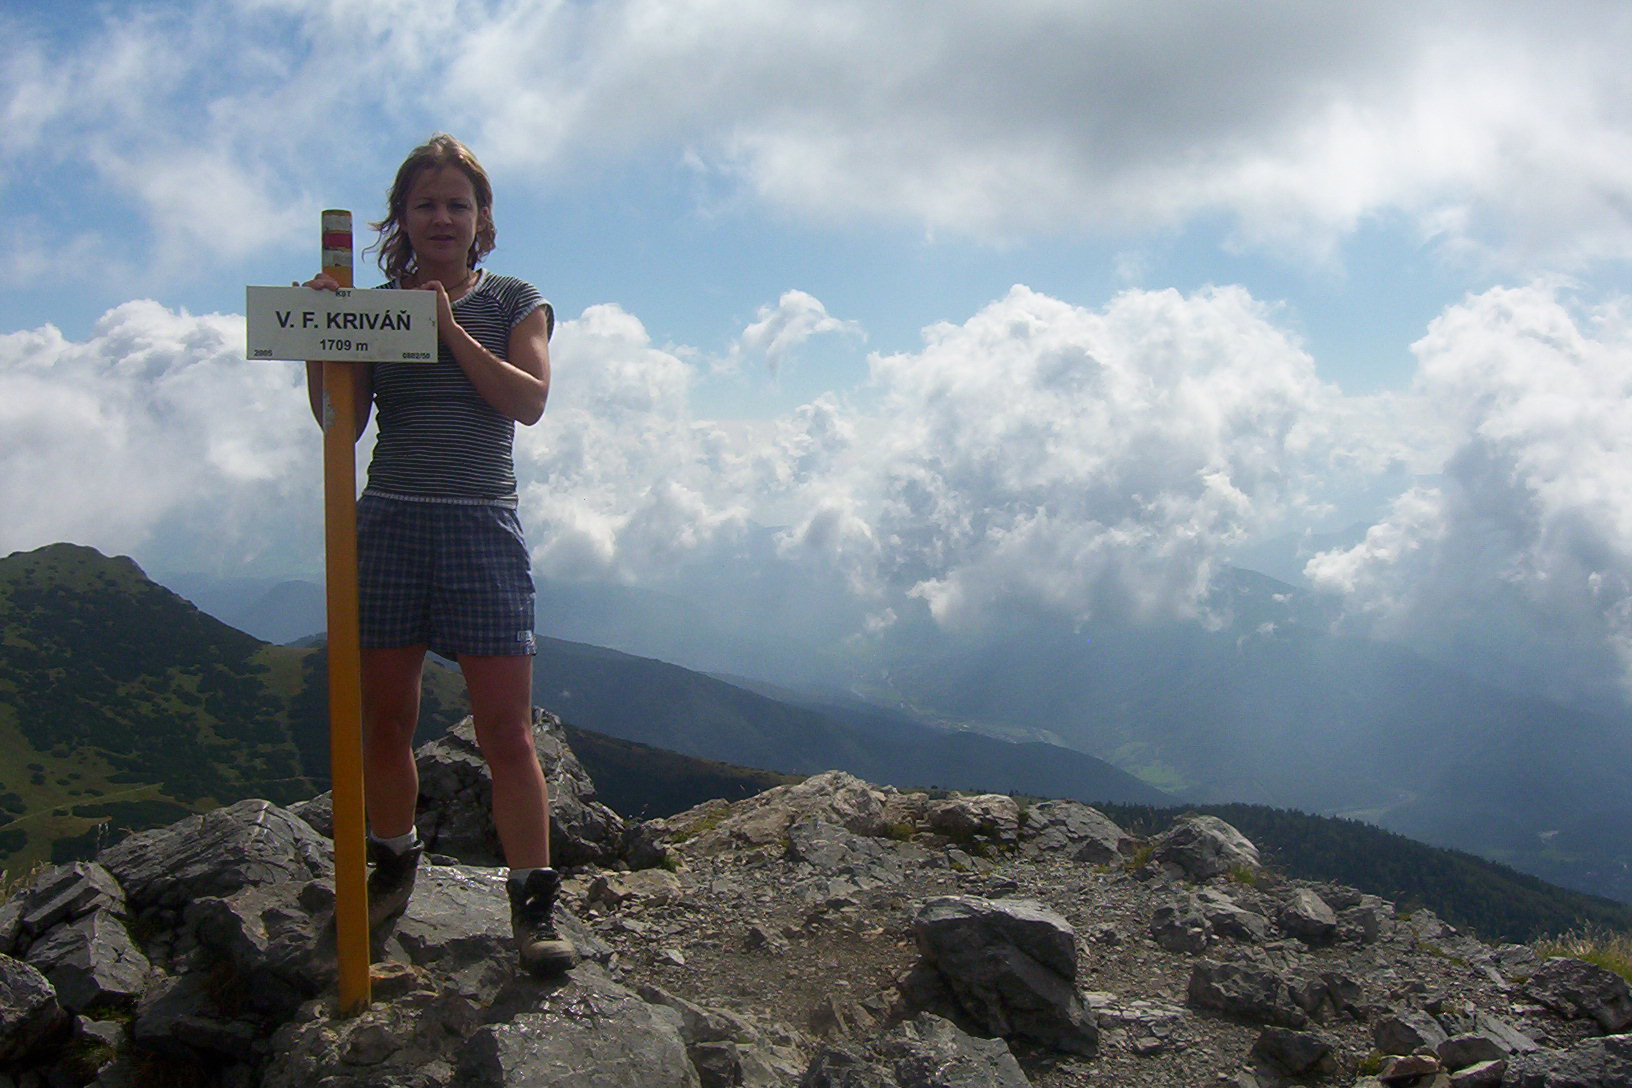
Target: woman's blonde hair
396, 255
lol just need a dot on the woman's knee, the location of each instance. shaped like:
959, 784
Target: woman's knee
387, 732
507, 745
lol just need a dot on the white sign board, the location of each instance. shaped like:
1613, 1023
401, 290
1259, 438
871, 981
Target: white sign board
346, 326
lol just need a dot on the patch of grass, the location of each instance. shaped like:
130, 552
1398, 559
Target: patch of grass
84, 1057
10, 885
707, 821
901, 831
105, 1010
1445, 954
1140, 857
1606, 948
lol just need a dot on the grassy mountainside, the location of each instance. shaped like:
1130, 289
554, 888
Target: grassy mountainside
123, 706
121, 703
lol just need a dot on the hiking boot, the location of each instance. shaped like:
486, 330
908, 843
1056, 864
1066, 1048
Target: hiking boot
391, 882
543, 951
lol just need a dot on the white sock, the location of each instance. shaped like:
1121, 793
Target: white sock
398, 844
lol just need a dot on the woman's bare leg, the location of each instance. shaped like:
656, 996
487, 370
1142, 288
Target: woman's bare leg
501, 702
391, 685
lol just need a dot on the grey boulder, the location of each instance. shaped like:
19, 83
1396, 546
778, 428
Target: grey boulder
1202, 847
1581, 990
30, 1016
455, 799
1011, 966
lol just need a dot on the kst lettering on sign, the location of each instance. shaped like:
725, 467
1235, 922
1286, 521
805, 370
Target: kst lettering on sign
345, 325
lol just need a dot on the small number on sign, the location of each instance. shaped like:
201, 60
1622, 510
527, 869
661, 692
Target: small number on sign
334, 345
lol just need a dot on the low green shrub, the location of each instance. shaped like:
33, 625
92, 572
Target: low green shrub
1140, 857
1606, 948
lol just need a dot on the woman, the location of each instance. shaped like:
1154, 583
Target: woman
442, 564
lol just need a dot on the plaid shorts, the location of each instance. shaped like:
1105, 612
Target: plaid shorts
452, 576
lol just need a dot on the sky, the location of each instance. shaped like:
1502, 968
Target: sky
954, 309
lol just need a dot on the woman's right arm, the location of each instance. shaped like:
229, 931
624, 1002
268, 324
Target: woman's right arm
361, 374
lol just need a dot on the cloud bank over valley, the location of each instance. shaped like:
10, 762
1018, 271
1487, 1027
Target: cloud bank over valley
1079, 464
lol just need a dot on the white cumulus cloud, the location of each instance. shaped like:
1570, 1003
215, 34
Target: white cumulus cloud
619, 481
780, 330
155, 436
1037, 457
1050, 457
1519, 556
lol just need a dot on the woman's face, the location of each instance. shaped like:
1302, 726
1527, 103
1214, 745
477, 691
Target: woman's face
441, 217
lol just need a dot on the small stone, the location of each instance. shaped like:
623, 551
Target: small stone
369, 1044
759, 938
1299, 1053
1480, 1075
390, 980
1407, 1069
1307, 917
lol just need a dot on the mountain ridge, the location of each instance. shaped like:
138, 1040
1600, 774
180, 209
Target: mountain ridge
1265, 704
122, 704
663, 705
645, 780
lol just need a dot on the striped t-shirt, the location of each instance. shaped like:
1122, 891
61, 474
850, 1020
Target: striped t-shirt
438, 439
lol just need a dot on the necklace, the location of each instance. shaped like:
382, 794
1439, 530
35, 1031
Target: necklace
455, 291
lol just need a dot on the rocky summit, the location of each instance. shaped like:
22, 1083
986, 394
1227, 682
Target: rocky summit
829, 934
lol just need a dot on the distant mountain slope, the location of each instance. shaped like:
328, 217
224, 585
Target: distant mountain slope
640, 782
1266, 706
642, 622
1274, 709
110, 684
1497, 902
123, 705
669, 707
278, 611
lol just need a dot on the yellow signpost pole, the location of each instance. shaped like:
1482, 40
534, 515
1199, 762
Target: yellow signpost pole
345, 685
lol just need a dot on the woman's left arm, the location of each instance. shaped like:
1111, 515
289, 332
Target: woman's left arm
516, 388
